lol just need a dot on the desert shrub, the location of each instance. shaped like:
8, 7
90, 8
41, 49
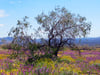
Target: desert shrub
37, 53
59, 60
15, 47
4, 46
13, 55
33, 47
83, 47
11, 46
66, 73
42, 71
97, 66
32, 60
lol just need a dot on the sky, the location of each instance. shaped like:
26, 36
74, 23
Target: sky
13, 10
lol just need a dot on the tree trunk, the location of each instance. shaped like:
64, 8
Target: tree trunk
56, 52
49, 42
79, 53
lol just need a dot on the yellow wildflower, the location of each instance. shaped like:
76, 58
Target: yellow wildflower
7, 73
97, 61
3, 56
61, 69
69, 58
91, 62
2, 70
16, 65
68, 68
14, 70
77, 70
82, 50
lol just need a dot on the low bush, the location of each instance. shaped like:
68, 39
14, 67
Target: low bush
11, 46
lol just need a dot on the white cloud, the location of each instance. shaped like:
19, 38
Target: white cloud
14, 2
1, 25
19, 1
3, 14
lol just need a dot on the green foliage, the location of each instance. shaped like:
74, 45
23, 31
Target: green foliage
4, 46
13, 56
42, 71
46, 56
97, 66
33, 48
15, 47
82, 47
74, 48
59, 60
66, 73
32, 60
12, 46
80, 60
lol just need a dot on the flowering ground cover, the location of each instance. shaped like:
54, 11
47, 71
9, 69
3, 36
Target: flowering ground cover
68, 63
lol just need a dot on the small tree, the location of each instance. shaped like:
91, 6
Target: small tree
61, 27
20, 33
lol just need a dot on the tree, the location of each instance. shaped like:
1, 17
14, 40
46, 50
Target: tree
61, 27
20, 33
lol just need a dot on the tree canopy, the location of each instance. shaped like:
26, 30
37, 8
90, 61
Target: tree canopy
20, 33
61, 27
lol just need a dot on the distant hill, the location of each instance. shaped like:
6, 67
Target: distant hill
6, 40
89, 41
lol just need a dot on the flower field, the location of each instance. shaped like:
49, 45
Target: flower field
68, 63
